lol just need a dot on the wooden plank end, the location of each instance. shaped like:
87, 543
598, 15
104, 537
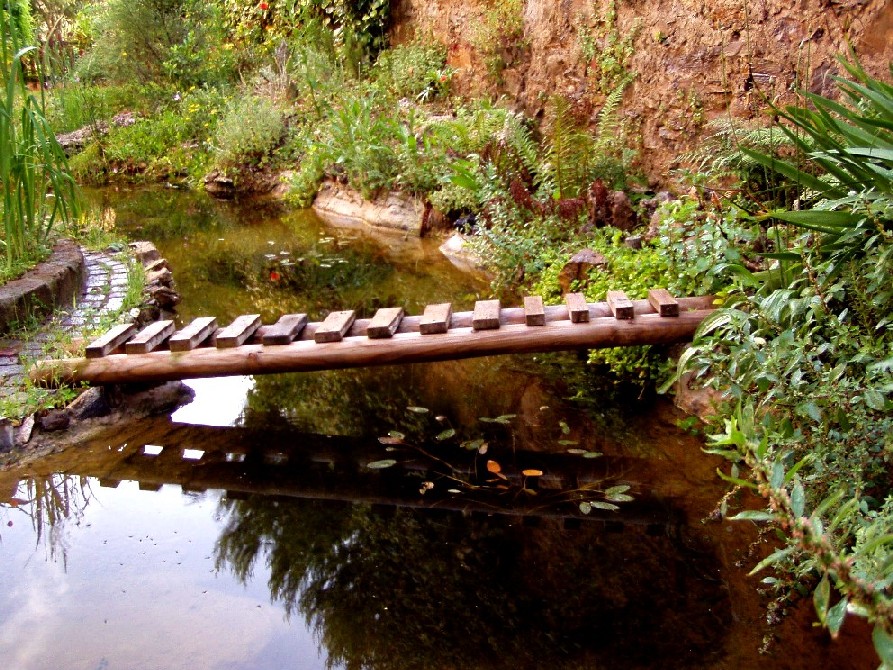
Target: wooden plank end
534, 311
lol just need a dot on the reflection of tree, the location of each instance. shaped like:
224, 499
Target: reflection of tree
412, 590
50, 502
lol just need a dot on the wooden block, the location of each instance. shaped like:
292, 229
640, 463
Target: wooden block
485, 315
285, 330
620, 305
150, 337
577, 308
436, 319
385, 322
662, 302
193, 335
110, 341
335, 326
534, 312
238, 331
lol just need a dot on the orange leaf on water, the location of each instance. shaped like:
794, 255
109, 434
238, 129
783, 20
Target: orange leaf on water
532, 473
493, 466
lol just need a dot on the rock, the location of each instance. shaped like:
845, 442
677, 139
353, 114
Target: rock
7, 436
622, 214
633, 241
458, 253
90, 404
578, 267
697, 400
163, 277
165, 297
340, 204
145, 252
53, 420
220, 186
23, 431
160, 399
157, 265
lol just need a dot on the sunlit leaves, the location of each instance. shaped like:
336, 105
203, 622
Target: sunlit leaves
618, 494
445, 435
382, 464
504, 419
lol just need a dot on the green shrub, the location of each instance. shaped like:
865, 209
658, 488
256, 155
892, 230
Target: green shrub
415, 71
248, 132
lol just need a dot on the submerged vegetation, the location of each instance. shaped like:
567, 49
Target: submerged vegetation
790, 226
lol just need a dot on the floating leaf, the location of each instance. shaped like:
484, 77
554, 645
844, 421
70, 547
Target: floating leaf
381, 465
565, 429
604, 505
418, 410
453, 491
494, 467
387, 439
397, 434
585, 507
445, 435
505, 418
576, 451
532, 473
593, 454
565, 443
483, 448
472, 445
440, 417
615, 490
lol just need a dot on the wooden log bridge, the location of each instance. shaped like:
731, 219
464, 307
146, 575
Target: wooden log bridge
245, 347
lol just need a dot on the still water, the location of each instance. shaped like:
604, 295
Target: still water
425, 516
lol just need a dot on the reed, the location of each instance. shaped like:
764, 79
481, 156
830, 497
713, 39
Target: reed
37, 192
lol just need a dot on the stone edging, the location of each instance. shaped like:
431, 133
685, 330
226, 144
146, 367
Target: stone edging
50, 285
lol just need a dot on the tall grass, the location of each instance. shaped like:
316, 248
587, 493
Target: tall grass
36, 191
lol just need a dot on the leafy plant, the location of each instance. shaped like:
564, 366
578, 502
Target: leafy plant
36, 191
248, 132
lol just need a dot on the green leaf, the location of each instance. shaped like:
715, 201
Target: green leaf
752, 515
418, 410
585, 507
836, 615
774, 557
593, 454
777, 478
445, 435
821, 597
614, 490
798, 499
874, 399
381, 465
598, 504
883, 645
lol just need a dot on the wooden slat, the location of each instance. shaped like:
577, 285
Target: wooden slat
285, 330
335, 326
534, 312
577, 309
663, 303
621, 306
385, 322
110, 341
436, 319
485, 315
150, 337
238, 331
193, 335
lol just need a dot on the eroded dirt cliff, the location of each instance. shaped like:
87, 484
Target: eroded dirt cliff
693, 60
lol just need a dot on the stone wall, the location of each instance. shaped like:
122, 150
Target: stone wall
695, 60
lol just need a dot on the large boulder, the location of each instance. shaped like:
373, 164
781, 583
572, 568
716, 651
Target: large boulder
340, 204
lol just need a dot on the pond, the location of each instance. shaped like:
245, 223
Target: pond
424, 516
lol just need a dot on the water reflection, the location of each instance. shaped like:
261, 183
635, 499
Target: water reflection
406, 579
411, 589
